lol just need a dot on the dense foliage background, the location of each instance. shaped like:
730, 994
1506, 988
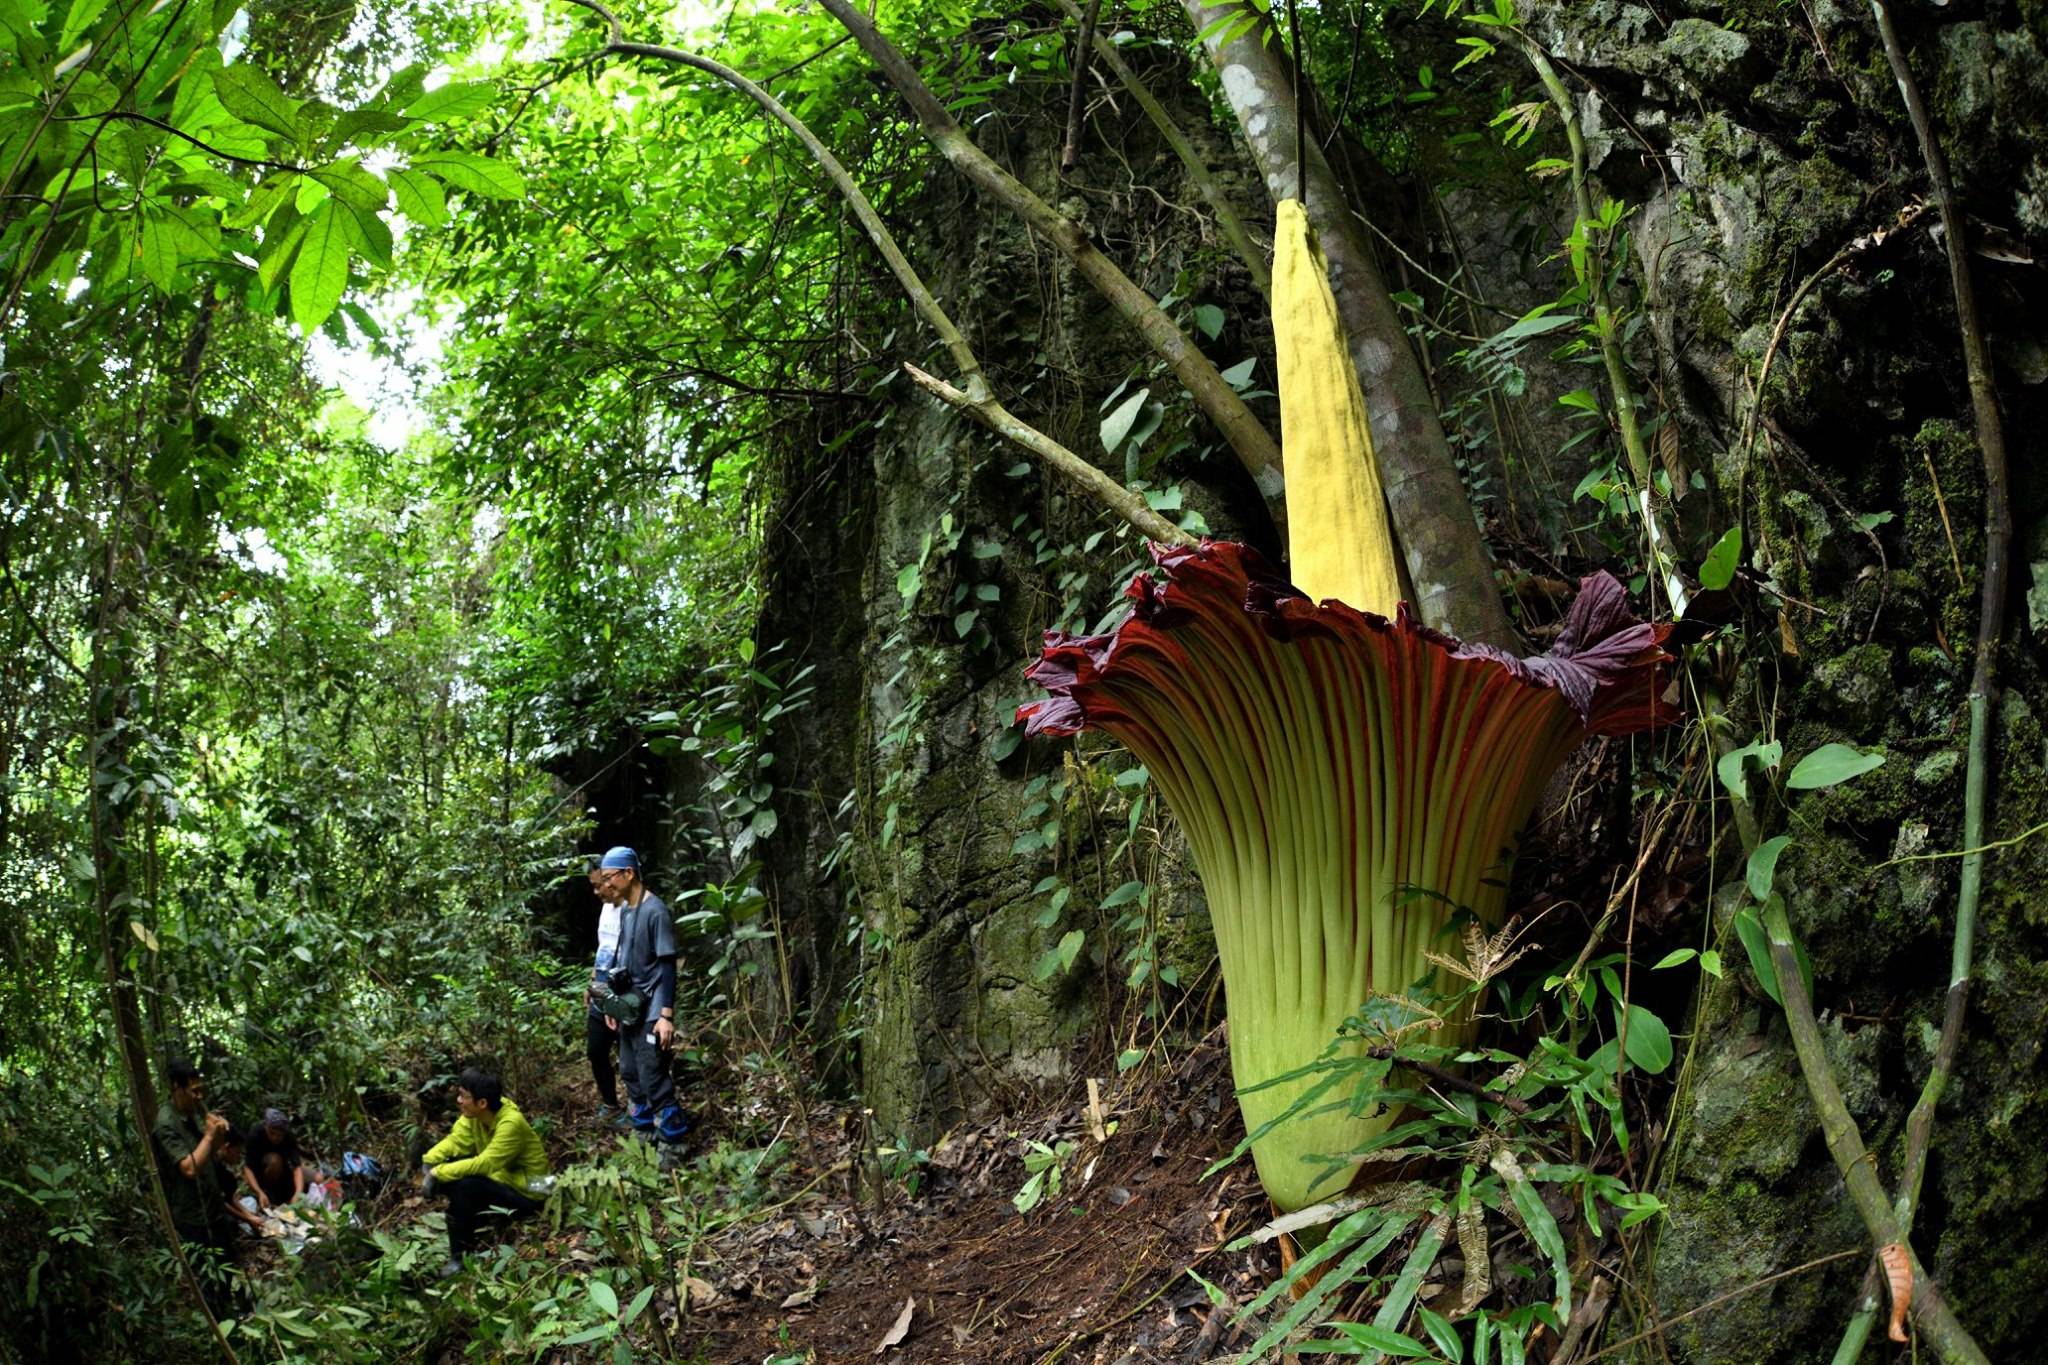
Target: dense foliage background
433, 447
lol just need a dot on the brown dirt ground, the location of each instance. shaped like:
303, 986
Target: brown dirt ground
1095, 1275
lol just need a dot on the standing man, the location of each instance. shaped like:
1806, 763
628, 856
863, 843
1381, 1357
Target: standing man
601, 1030
647, 968
186, 1141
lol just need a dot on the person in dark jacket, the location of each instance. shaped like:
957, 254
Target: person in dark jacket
646, 967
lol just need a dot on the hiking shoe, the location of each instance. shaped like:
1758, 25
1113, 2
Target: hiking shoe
604, 1112
451, 1270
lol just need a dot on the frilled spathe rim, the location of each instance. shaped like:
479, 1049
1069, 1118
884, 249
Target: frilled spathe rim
1606, 664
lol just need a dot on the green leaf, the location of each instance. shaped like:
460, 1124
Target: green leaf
1677, 957
1129, 1058
1209, 319
604, 1298
1380, 1339
275, 259
479, 175
452, 101
1118, 424
251, 96
1123, 895
1763, 866
78, 22
963, 622
1240, 374
1829, 765
157, 253
1717, 570
637, 1306
1581, 399
420, 196
1061, 957
356, 186
1730, 767
320, 276
1649, 1042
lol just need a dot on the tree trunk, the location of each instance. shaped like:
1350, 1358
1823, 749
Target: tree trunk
1440, 540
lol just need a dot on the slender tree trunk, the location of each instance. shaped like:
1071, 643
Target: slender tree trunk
1440, 539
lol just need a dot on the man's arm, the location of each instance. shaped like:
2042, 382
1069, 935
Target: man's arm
255, 1187
235, 1207
497, 1155
460, 1142
299, 1178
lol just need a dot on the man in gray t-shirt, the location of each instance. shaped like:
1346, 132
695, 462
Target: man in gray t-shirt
647, 964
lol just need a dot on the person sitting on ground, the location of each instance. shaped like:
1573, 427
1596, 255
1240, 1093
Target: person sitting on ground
647, 967
228, 1174
488, 1166
276, 1171
601, 1030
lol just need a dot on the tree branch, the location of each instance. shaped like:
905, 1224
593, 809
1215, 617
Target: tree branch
1227, 218
1253, 446
977, 400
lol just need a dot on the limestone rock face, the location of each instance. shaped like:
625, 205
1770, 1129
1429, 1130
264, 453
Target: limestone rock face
1756, 145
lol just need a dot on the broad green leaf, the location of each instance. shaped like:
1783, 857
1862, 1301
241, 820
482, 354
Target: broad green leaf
420, 196
1209, 319
1677, 957
638, 1306
1649, 1042
1123, 895
1763, 866
157, 253
1240, 374
1829, 765
1118, 424
452, 102
355, 185
274, 260
364, 128
479, 175
1757, 946
1129, 1058
604, 1298
1717, 571
78, 21
1730, 767
320, 275
253, 97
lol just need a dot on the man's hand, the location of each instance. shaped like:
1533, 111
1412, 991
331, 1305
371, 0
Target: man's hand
664, 1032
215, 1125
429, 1182
611, 1025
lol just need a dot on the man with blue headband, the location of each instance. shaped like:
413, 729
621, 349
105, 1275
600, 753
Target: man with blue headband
646, 967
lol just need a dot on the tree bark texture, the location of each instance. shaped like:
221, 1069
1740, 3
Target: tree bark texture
1440, 540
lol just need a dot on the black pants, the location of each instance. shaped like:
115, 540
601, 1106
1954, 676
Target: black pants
210, 1251
655, 1111
603, 1046
478, 1199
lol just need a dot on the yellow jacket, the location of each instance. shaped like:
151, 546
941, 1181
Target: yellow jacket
509, 1152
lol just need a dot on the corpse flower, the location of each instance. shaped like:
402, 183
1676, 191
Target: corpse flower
1347, 780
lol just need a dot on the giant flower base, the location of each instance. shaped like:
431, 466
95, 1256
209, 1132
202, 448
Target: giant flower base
1347, 783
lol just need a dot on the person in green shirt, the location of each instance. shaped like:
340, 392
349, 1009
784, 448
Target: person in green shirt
491, 1165
186, 1140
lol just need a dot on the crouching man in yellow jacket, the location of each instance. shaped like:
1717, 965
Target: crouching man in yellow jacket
491, 1165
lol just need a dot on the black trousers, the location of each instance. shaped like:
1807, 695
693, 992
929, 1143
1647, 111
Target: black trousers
602, 1044
477, 1199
